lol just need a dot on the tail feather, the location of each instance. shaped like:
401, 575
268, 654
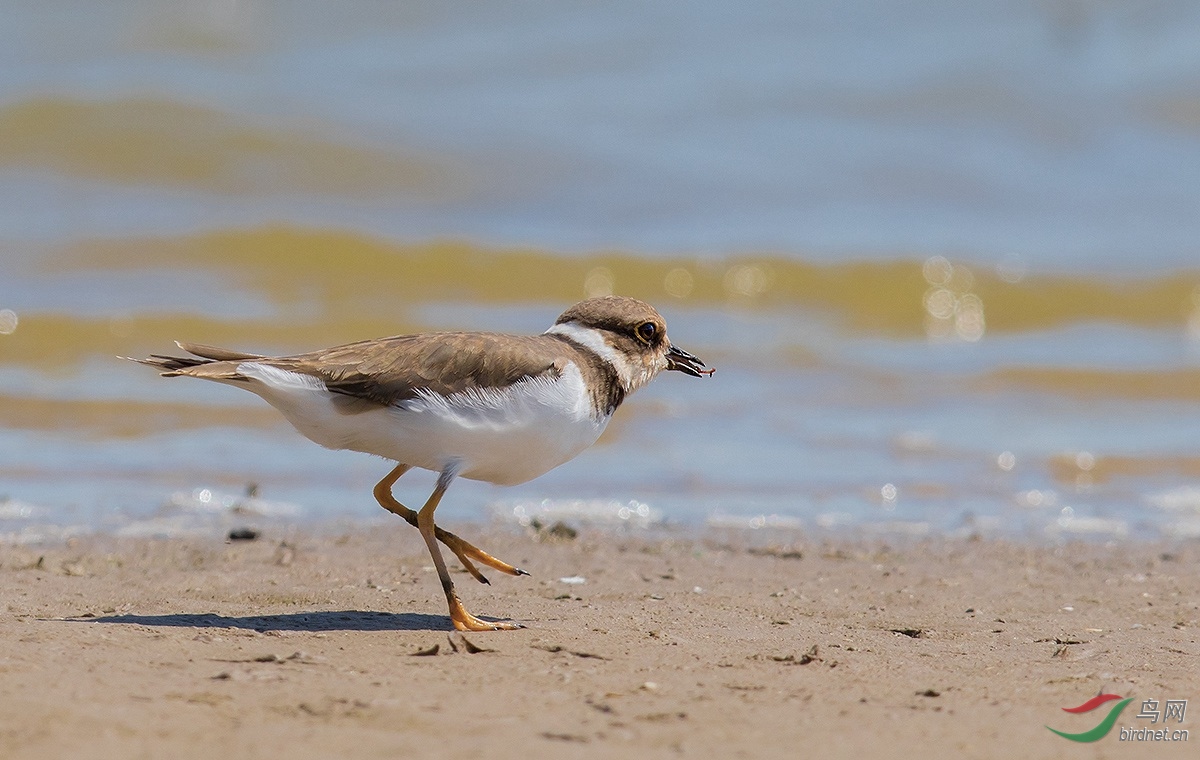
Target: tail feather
170, 365
217, 354
208, 362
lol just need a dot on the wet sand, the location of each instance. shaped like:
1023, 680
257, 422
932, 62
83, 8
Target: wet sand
318, 645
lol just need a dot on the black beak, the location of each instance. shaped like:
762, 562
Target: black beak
678, 359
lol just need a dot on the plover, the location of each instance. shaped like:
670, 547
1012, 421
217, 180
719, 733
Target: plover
484, 406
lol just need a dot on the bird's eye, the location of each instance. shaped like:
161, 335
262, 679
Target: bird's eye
647, 330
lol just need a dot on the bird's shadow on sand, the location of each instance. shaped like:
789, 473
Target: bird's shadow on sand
342, 620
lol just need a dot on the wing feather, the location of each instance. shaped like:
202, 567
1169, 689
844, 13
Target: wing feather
391, 370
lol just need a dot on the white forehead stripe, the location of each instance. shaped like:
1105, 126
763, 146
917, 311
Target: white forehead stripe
593, 340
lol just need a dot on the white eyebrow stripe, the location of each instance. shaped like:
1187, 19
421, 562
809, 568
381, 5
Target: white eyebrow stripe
593, 340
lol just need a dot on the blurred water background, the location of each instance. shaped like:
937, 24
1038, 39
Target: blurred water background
944, 255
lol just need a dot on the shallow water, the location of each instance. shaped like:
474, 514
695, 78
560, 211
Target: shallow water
944, 261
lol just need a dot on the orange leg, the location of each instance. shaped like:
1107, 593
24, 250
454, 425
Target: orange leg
462, 549
462, 620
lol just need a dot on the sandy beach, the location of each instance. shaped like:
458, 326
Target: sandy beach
322, 644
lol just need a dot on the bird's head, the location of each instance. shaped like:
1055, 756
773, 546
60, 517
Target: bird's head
628, 334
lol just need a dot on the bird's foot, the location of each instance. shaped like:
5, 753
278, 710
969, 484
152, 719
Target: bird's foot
466, 552
465, 621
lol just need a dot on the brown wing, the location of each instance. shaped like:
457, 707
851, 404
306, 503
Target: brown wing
390, 370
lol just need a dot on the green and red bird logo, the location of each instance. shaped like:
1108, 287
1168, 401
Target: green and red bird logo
1103, 727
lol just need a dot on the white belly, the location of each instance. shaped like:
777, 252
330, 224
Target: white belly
501, 436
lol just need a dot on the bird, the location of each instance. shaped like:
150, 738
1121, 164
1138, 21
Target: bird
485, 406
